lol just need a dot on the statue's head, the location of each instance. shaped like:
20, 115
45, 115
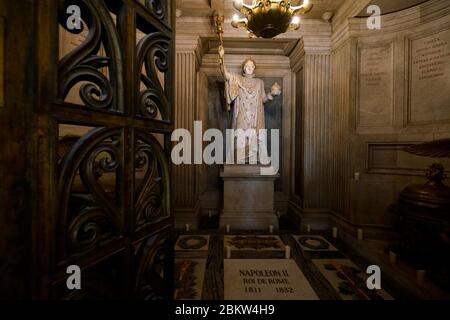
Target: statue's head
249, 66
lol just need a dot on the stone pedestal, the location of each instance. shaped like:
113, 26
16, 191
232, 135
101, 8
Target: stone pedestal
248, 198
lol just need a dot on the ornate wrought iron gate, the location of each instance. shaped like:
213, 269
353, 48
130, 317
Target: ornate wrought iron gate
104, 119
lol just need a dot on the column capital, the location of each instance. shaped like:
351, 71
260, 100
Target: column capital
190, 45
308, 46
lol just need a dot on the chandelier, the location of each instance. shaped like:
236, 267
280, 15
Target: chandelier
269, 18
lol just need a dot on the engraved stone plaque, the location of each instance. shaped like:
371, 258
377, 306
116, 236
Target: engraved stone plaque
430, 79
375, 77
261, 279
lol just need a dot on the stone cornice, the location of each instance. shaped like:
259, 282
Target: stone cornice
297, 57
234, 63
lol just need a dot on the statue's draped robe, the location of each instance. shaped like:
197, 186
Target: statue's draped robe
249, 97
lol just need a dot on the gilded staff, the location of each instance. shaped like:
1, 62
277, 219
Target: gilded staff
218, 21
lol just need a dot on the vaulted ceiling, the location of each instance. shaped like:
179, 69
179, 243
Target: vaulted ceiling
389, 6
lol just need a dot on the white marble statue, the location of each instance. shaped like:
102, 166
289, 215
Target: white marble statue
249, 97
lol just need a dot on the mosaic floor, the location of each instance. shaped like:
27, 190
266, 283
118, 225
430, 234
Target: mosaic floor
254, 267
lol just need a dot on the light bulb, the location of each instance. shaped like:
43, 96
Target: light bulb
305, 2
235, 17
295, 20
238, 4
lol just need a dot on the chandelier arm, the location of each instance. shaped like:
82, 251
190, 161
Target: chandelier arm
241, 23
303, 9
294, 26
240, 6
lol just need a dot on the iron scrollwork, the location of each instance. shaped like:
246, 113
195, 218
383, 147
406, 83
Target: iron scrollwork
89, 184
157, 8
94, 187
151, 277
153, 57
83, 65
152, 189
